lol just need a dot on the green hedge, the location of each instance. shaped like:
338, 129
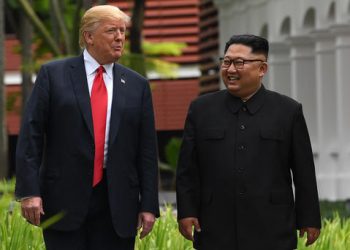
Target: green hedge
17, 234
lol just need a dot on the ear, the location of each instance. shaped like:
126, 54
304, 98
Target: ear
88, 37
263, 69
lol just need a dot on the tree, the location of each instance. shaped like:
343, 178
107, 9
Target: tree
39, 25
26, 37
61, 39
56, 31
3, 132
136, 37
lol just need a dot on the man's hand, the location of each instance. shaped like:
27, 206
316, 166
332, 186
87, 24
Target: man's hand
146, 221
312, 234
32, 209
185, 227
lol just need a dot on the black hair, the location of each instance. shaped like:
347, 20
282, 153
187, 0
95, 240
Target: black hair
258, 44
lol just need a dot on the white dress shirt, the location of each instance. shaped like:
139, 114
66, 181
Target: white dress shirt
91, 65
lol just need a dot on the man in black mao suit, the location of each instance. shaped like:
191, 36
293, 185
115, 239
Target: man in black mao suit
243, 149
107, 188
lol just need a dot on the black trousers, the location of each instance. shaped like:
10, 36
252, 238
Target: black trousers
96, 233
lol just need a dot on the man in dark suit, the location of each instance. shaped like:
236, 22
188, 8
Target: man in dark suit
87, 145
242, 150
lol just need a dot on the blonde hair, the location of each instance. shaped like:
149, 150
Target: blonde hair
93, 17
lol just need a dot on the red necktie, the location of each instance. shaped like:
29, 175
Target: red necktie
99, 112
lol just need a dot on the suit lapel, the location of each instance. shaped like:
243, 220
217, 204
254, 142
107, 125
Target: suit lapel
81, 90
119, 95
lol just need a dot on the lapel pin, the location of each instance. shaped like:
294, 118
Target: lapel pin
122, 80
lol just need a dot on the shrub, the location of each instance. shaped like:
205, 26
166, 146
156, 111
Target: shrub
17, 234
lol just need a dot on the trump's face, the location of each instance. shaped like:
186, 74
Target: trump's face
106, 42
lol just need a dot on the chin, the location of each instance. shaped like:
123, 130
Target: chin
116, 57
233, 87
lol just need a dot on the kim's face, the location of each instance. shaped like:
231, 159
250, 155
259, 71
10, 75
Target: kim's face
242, 71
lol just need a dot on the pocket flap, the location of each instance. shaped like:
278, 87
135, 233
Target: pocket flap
272, 134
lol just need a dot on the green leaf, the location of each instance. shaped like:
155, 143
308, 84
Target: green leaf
52, 220
163, 48
172, 150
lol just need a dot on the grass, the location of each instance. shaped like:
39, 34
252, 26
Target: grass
17, 234
335, 235
329, 208
165, 235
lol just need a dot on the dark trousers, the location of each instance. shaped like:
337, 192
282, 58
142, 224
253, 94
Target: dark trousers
96, 233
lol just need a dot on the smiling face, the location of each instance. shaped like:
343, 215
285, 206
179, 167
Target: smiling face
246, 81
106, 42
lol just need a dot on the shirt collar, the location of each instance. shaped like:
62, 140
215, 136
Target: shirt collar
91, 65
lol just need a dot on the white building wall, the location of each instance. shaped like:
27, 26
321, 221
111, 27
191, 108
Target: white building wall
309, 61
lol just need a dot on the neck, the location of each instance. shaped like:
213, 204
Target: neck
246, 98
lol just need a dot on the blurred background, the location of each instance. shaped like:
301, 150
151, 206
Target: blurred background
176, 44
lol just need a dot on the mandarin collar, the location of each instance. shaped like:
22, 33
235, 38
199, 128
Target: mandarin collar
253, 104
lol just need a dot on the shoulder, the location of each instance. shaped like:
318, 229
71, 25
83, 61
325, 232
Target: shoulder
62, 63
280, 100
129, 72
210, 98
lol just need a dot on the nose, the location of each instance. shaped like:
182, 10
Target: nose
117, 35
231, 68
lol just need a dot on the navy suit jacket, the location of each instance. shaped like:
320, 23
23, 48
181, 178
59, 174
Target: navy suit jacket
55, 151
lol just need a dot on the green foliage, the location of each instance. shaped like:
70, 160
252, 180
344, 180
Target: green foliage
329, 208
13, 3
7, 186
11, 101
17, 234
151, 60
335, 235
163, 48
50, 41
41, 7
165, 235
172, 150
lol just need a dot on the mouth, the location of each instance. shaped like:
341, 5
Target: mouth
233, 78
117, 47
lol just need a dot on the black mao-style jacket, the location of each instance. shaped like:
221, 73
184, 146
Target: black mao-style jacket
237, 166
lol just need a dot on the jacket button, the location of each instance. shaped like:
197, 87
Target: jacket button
241, 191
242, 127
244, 109
240, 170
241, 147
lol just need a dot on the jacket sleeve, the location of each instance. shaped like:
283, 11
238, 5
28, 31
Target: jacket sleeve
306, 195
30, 145
148, 161
187, 175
